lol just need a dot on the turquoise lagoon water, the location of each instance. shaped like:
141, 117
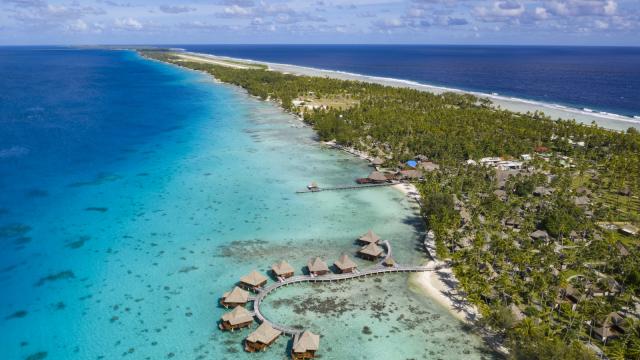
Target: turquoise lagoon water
134, 194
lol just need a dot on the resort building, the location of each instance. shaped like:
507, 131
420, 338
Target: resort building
371, 252
610, 328
282, 269
235, 297
263, 337
237, 318
345, 264
428, 166
539, 235
305, 346
377, 177
369, 238
317, 267
409, 175
253, 281
377, 161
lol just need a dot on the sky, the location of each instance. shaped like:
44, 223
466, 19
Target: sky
508, 22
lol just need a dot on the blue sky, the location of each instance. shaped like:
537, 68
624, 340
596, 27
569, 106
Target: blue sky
554, 22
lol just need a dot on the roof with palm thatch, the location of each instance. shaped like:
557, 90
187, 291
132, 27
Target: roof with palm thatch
371, 250
377, 176
282, 267
308, 341
344, 262
254, 278
236, 295
316, 264
370, 237
239, 315
264, 334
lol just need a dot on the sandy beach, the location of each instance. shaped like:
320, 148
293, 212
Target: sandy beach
440, 285
605, 120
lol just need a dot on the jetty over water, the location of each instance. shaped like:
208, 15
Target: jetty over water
378, 269
384, 266
346, 187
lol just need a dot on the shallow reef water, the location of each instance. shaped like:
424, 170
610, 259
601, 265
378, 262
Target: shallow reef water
118, 241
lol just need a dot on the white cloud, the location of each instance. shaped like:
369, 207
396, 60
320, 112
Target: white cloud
128, 24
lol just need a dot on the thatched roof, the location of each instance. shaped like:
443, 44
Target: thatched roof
377, 161
539, 234
581, 200
377, 176
411, 174
622, 250
239, 315
428, 166
236, 295
282, 267
308, 341
264, 334
370, 237
345, 262
254, 278
316, 264
371, 250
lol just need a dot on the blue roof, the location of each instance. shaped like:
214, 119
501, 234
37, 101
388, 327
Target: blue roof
412, 163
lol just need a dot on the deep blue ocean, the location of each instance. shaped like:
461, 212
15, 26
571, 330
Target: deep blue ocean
605, 79
133, 194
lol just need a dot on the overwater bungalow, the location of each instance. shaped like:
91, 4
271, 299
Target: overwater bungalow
253, 281
305, 346
263, 337
282, 269
235, 297
317, 267
389, 262
377, 177
345, 264
369, 238
237, 318
371, 252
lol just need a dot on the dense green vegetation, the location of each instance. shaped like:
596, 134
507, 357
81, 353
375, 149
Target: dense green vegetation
519, 282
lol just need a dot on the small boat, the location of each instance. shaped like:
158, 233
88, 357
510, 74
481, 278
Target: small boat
313, 186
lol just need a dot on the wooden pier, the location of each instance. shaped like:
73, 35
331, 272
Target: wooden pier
378, 269
347, 187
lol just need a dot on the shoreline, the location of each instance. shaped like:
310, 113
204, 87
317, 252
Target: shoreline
605, 120
440, 285
434, 287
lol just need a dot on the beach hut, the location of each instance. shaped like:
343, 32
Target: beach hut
317, 267
253, 281
368, 238
305, 346
429, 166
282, 269
370, 252
410, 174
237, 318
377, 177
263, 337
539, 235
345, 264
377, 161
235, 297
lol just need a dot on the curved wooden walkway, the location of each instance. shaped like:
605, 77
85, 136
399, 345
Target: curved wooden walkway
379, 268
